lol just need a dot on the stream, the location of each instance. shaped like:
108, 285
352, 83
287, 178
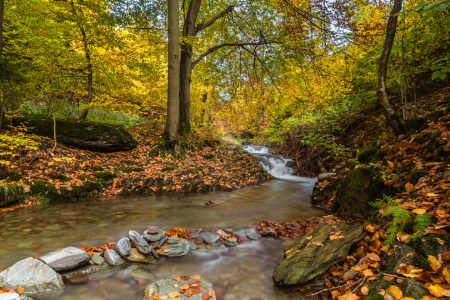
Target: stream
243, 272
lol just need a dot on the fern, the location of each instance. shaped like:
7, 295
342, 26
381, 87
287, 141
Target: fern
420, 223
399, 217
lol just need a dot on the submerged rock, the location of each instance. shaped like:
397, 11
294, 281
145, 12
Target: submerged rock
308, 258
139, 257
123, 246
196, 289
177, 247
66, 259
81, 274
97, 259
113, 258
33, 275
139, 242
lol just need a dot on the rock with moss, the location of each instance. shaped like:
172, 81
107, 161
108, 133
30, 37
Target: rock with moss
371, 154
11, 194
413, 289
416, 123
82, 134
314, 253
400, 256
356, 190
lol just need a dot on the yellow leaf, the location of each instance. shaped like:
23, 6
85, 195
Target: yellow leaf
388, 278
419, 211
20, 289
434, 261
395, 292
365, 290
373, 256
367, 272
174, 294
446, 273
390, 164
196, 276
434, 289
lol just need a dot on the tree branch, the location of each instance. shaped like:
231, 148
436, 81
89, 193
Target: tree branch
215, 18
215, 48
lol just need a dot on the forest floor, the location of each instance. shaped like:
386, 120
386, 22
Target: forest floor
44, 175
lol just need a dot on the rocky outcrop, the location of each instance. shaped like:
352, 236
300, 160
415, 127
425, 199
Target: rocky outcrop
315, 252
82, 134
33, 275
65, 259
183, 288
355, 191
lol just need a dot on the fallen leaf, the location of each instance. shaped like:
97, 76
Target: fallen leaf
365, 290
419, 211
308, 238
409, 187
174, 294
395, 292
196, 277
388, 278
20, 289
373, 256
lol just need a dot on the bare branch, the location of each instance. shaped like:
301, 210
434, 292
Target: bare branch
215, 48
215, 18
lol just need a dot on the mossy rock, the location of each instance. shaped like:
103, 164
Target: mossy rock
11, 194
104, 175
81, 134
44, 188
416, 123
355, 191
60, 177
371, 154
416, 175
314, 253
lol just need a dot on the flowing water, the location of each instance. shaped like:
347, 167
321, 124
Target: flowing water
242, 272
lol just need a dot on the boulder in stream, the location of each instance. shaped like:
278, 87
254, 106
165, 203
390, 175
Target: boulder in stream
113, 258
314, 253
123, 246
154, 237
139, 242
65, 259
33, 275
139, 257
209, 237
183, 288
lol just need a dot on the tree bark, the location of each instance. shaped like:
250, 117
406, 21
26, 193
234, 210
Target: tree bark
2, 8
392, 118
186, 65
173, 96
89, 67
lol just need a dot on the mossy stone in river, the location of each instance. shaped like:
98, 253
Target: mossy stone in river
82, 134
307, 258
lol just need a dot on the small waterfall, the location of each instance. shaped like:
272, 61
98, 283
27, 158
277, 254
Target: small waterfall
275, 164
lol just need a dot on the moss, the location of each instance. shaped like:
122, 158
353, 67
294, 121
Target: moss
416, 175
77, 166
373, 293
126, 169
14, 176
60, 177
44, 188
96, 168
167, 169
371, 154
104, 175
416, 123
442, 152
11, 194
420, 262
208, 156
420, 139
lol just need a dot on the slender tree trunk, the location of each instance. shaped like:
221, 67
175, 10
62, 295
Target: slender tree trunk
173, 99
2, 8
392, 119
53, 115
189, 30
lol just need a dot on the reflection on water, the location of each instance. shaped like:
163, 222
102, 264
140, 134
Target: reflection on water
242, 272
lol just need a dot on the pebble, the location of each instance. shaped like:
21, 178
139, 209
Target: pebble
113, 258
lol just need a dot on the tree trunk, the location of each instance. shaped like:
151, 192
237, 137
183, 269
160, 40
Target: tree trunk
189, 30
2, 8
173, 96
392, 119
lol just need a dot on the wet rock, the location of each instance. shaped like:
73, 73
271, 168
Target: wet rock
142, 274
123, 246
154, 237
82, 272
113, 258
66, 259
13, 296
267, 231
320, 195
193, 246
427, 247
413, 289
33, 275
399, 256
290, 164
139, 242
152, 229
178, 247
165, 286
252, 234
229, 239
97, 259
161, 242
209, 237
324, 176
139, 257
308, 258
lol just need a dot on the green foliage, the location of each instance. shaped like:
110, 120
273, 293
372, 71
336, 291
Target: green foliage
399, 217
45, 189
96, 168
420, 222
12, 176
167, 169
